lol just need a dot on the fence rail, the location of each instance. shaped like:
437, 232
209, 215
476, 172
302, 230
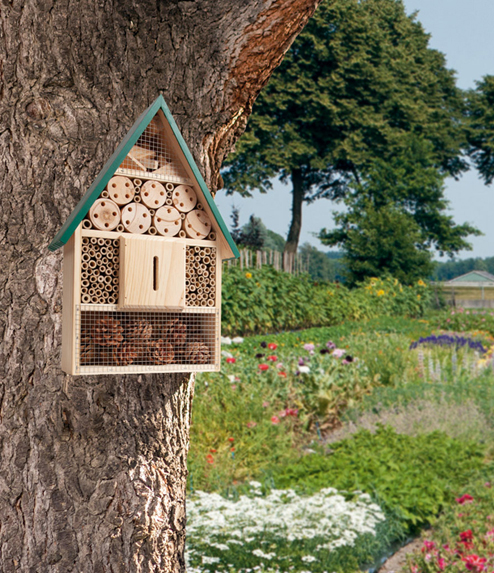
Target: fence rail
291, 263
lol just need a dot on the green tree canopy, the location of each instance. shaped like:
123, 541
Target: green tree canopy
481, 127
357, 82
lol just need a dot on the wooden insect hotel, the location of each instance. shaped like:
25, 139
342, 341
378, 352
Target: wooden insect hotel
142, 260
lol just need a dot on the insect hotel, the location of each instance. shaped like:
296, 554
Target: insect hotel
142, 260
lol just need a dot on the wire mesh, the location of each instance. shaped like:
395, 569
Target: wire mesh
200, 276
136, 340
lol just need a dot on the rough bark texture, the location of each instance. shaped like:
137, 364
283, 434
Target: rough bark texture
298, 194
93, 469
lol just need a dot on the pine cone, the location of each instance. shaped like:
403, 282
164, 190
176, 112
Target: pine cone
107, 331
197, 353
87, 349
161, 352
139, 332
125, 354
175, 332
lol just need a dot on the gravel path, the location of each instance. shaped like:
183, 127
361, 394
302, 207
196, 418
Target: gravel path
397, 561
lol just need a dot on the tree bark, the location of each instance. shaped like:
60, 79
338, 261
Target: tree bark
93, 468
298, 194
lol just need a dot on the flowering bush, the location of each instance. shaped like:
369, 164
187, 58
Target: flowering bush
281, 530
462, 538
464, 320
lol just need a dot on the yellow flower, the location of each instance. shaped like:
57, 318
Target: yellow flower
380, 292
396, 282
418, 296
248, 275
421, 282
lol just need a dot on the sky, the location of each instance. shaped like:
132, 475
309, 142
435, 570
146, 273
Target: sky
462, 30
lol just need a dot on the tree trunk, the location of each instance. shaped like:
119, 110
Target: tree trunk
298, 194
93, 468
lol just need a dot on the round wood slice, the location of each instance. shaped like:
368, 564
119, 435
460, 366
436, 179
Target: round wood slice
136, 218
197, 224
104, 214
167, 221
184, 198
121, 190
153, 194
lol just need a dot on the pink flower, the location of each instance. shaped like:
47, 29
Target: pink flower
231, 360
263, 367
474, 562
272, 358
441, 563
275, 420
279, 365
265, 404
251, 424
428, 546
272, 346
466, 535
309, 347
289, 412
466, 498
338, 352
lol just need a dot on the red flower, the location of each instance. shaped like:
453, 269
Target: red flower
212, 450
272, 346
231, 439
231, 360
251, 424
466, 535
275, 420
428, 546
474, 562
441, 562
210, 459
464, 499
273, 358
263, 367
232, 449
283, 374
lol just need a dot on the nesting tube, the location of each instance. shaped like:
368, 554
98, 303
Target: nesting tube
137, 198
86, 299
169, 187
137, 182
85, 240
168, 201
94, 241
182, 234
104, 194
152, 230
212, 236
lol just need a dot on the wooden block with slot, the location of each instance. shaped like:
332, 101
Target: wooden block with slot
152, 273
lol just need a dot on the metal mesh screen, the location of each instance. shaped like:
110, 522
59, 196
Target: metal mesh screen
99, 270
138, 339
154, 154
200, 276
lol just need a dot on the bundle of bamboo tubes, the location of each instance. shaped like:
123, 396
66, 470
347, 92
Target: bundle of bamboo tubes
200, 276
99, 270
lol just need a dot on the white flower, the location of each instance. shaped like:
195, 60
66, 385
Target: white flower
260, 553
304, 369
309, 558
231, 377
207, 560
227, 354
226, 340
238, 340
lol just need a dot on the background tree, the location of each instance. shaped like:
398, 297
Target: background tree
321, 266
481, 127
404, 191
357, 81
93, 468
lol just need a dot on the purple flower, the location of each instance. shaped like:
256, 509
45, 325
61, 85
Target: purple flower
264, 344
309, 347
258, 356
324, 351
330, 345
301, 362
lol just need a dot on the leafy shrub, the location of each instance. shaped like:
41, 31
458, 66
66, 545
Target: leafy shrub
416, 476
266, 300
461, 320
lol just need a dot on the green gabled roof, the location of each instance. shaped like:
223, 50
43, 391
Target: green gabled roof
473, 276
114, 163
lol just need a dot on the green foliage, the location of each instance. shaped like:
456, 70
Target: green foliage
455, 268
481, 127
264, 300
321, 266
461, 320
416, 476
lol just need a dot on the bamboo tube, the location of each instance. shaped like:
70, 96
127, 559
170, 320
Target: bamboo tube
207, 260
108, 279
104, 262
91, 291
152, 212
182, 234
86, 224
85, 240
199, 206
112, 300
210, 302
110, 256
212, 236
137, 199
205, 274
86, 299
197, 250
108, 288
115, 281
152, 230
92, 264
192, 287
115, 288
98, 256
94, 299
103, 250
169, 187
188, 275
85, 275
85, 257
104, 194
85, 265
120, 228
116, 243
94, 241
207, 250
137, 182
85, 283
101, 242
85, 249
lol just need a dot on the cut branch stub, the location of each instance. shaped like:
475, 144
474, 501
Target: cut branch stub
167, 221
136, 218
184, 198
104, 214
121, 190
197, 224
153, 194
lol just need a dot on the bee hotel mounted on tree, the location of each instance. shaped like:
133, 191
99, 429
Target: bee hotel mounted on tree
142, 260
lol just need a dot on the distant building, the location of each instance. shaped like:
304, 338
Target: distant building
474, 289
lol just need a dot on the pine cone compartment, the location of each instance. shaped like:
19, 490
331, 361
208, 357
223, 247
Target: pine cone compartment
175, 332
107, 331
161, 352
125, 354
197, 353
